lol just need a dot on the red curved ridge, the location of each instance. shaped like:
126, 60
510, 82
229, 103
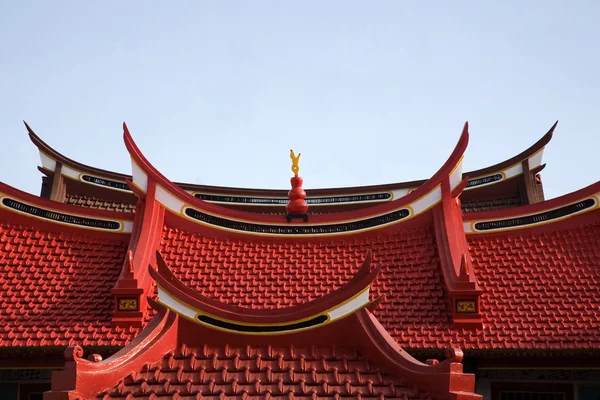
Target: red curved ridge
62, 207
443, 379
170, 283
525, 154
455, 260
153, 174
44, 147
84, 379
134, 280
536, 207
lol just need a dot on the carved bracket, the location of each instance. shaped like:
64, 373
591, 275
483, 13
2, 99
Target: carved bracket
134, 284
455, 259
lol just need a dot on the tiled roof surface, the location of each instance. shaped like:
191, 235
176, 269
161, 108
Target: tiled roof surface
276, 275
262, 372
539, 291
56, 288
494, 203
100, 204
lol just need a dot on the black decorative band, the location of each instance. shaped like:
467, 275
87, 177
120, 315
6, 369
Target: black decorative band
60, 217
240, 200
105, 182
298, 229
536, 218
263, 328
350, 199
484, 180
310, 200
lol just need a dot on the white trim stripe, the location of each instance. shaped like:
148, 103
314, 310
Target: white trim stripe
139, 177
334, 314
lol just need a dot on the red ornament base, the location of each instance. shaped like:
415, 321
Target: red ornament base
297, 205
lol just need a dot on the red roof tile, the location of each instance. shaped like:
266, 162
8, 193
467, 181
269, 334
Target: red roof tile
494, 203
539, 290
56, 288
263, 274
262, 372
99, 204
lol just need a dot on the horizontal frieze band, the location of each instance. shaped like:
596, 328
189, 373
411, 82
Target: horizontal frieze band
535, 219
282, 201
359, 198
60, 217
105, 182
332, 228
484, 180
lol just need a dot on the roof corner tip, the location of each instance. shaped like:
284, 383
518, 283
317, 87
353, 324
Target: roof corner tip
465, 132
464, 140
546, 138
35, 139
29, 130
543, 141
551, 131
125, 130
127, 138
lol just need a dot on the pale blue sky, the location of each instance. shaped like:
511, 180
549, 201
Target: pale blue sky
370, 92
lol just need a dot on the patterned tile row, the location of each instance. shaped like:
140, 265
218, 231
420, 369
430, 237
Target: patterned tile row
56, 288
539, 291
494, 203
100, 204
251, 372
277, 275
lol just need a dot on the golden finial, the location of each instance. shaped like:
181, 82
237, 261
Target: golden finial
295, 159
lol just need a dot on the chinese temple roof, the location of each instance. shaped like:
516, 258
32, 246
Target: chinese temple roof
178, 358
507, 184
217, 300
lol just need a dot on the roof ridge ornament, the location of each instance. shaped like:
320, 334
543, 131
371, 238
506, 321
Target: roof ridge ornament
295, 160
296, 206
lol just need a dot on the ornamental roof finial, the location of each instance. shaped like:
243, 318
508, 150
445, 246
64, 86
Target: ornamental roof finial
295, 159
296, 206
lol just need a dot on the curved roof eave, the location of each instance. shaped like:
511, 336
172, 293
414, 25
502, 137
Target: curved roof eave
23, 204
281, 193
525, 154
350, 297
188, 207
549, 214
